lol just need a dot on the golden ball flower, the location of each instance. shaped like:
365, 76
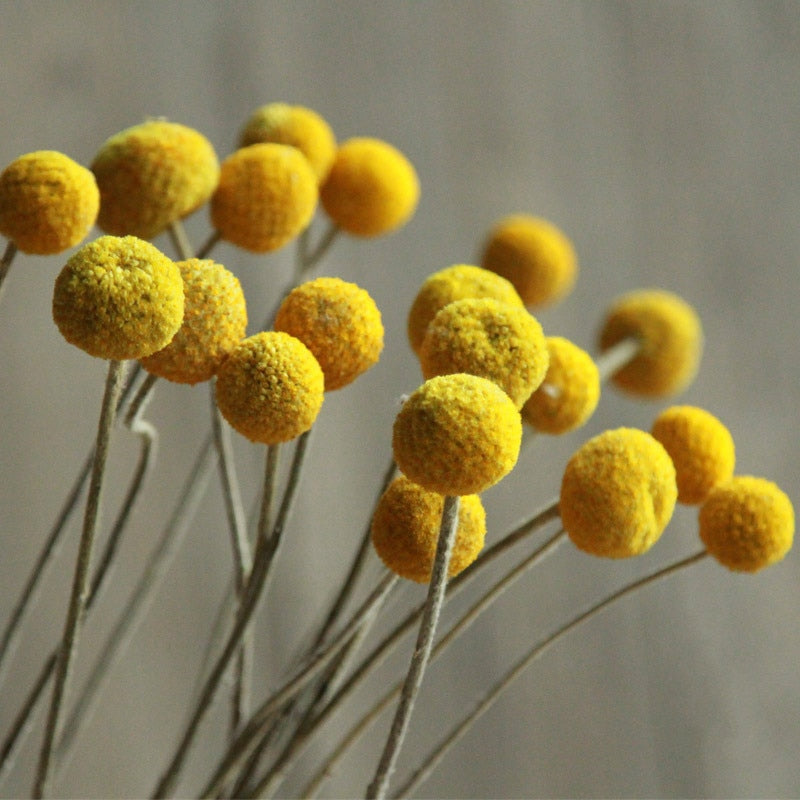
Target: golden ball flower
618, 493
493, 340
266, 196
457, 434
405, 530
270, 388
371, 189
534, 255
670, 337
338, 322
701, 448
118, 298
48, 202
569, 393
747, 523
214, 322
151, 175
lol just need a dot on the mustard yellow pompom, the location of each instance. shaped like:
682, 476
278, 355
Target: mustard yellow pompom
338, 322
459, 282
266, 196
214, 322
670, 337
569, 393
701, 448
747, 523
493, 340
151, 175
534, 255
371, 189
270, 388
457, 435
405, 530
296, 126
48, 203
618, 493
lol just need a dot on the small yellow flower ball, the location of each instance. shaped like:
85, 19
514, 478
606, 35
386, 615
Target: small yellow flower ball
118, 298
747, 523
701, 448
457, 434
618, 493
493, 340
151, 175
270, 388
214, 322
534, 255
670, 337
48, 203
266, 196
296, 126
405, 530
339, 323
569, 393
459, 282
371, 189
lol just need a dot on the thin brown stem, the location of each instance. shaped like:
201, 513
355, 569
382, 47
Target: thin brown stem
310, 257
209, 245
5, 262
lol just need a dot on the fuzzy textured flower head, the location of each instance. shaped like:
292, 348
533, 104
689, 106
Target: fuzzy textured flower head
457, 434
48, 203
270, 389
151, 175
618, 493
339, 323
214, 322
488, 338
266, 196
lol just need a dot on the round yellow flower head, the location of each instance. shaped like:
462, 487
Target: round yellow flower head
270, 388
618, 493
457, 434
458, 282
701, 448
485, 337
534, 255
48, 203
214, 322
296, 126
747, 523
569, 393
339, 323
371, 189
153, 174
118, 298
266, 196
405, 530
670, 336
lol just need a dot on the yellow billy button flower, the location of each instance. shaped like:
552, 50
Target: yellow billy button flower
618, 493
371, 189
338, 322
214, 322
266, 196
701, 448
534, 255
151, 175
118, 298
569, 393
270, 388
457, 435
405, 530
48, 203
670, 337
485, 337
747, 523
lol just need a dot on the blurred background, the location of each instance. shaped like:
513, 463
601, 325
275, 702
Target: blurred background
662, 137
